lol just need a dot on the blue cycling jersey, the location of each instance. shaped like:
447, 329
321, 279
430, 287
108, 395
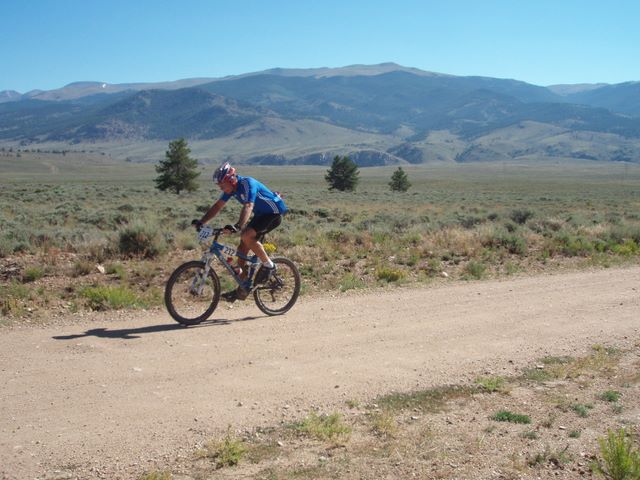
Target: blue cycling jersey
264, 200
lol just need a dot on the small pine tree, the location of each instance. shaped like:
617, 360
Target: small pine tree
399, 181
177, 171
343, 174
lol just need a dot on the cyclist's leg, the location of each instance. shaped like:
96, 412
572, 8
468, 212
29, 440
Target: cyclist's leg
243, 248
256, 229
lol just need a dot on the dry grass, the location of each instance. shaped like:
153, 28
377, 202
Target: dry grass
452, 432
457, 220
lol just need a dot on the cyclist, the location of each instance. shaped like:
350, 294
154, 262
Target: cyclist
267, 208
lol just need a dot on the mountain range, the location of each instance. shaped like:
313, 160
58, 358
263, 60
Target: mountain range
378, 114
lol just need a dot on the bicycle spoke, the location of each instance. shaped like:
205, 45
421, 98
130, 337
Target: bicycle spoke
282, 289
190, 295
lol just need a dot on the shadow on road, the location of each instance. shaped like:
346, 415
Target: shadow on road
132, 333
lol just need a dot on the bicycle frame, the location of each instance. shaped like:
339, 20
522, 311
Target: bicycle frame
221, 251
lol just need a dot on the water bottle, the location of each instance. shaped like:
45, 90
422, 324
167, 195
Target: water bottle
236, 268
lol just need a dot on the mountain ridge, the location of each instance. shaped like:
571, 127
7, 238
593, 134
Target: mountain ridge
379, 114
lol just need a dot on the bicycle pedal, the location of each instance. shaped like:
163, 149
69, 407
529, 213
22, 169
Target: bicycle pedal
241, 293
230, 296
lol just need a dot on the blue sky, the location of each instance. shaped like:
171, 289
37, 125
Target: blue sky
46, 44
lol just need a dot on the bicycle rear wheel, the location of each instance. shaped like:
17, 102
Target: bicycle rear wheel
281, 291
190, 298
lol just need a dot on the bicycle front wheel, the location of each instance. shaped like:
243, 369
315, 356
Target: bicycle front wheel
281, 291
190, 298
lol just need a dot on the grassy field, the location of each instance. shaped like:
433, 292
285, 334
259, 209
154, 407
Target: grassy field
62, 216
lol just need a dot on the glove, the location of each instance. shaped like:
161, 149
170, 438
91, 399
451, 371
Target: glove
204, 233
232, 228
197, 223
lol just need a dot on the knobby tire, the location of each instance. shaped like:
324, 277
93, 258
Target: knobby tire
179, 317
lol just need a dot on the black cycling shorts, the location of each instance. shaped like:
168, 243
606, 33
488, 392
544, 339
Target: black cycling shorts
263, 224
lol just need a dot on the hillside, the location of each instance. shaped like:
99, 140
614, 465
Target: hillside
381, 114
623, 98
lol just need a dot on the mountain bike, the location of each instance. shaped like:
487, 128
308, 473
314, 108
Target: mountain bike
192, 292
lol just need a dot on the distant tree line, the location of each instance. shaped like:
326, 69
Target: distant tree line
53, 152
178, 172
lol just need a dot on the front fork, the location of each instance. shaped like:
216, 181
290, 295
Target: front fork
199, 281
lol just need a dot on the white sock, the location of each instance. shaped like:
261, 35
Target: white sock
269, 264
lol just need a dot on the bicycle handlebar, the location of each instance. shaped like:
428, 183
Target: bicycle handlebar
206, 232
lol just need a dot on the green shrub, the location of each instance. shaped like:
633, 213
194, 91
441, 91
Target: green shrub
628, 248
520, 216
581, 410
141, 240
227, 452
110, 298
620, 460
622, 233
510, 242
32, 274
389, 274
574, 245
475, 269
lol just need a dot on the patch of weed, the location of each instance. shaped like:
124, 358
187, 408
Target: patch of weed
226, 452
32, 274
492, 384
350, 281
110, 298
581, 409
432, 400
507, 416
324, 427
384, 424
164, 475
389, 274
610, 396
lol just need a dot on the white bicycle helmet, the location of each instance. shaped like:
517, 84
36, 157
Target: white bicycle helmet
223, 172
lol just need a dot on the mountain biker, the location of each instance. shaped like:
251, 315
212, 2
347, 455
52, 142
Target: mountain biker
267, 208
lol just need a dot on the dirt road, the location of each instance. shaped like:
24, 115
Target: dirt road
110, 396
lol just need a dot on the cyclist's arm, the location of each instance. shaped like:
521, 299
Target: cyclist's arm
245, 214
213, 211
